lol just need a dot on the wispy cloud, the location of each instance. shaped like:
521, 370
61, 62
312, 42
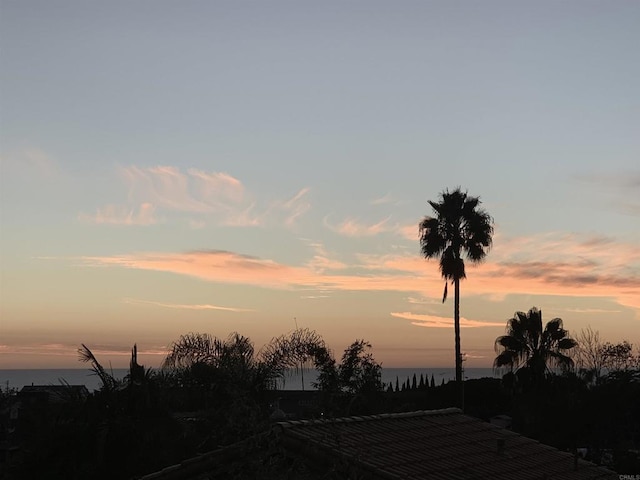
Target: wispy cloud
355, 228
473, 355
39, 349
387, 199
321, 260
590, 310
629, 179
560, 264
182, 306
408, 231
30, 161
423, 301
195, 191
623, 189
433, 321
292, 208
122, 215
213, 197
71, 350
212, 265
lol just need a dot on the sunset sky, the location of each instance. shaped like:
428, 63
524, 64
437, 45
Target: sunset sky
216, 166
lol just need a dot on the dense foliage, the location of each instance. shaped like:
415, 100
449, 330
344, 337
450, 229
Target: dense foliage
532, 351
214, 392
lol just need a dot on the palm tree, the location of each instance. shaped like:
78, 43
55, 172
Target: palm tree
458, 229
529, 348
109, 381
236, 358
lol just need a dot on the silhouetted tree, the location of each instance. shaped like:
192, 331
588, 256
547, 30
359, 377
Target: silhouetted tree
357, 373
619, 356
397, 384
459, 228
414, 382
127, 420
588, 355
328, 380
203, 358
292, 351
421, 384
108, 381
531, 350
358, 370
433, 382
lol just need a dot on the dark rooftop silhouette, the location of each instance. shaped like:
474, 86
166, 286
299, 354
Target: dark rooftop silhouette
429, 445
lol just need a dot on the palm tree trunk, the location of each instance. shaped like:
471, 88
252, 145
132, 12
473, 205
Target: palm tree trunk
456, 325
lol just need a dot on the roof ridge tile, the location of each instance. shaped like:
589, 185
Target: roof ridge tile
380, 416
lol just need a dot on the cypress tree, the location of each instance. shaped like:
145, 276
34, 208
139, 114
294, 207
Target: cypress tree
421, 384
397, 384
414, 382
433, 382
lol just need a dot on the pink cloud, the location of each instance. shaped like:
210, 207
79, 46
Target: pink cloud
215, 197
121, 215
246, 217
385, 200
521, 266
71, 350
354, 228
212, 265
321, 260
409, 231
296, 206
187, 306
287, 212
195, 191
433, 321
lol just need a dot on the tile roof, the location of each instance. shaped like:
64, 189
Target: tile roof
431, 445
54, 393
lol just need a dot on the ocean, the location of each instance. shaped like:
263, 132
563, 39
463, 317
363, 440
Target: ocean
295, 381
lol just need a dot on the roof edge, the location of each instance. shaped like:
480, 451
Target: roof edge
417, 413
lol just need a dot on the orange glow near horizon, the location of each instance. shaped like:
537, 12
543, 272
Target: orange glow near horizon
603, 275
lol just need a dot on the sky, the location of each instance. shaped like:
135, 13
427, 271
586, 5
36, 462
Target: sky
173, 167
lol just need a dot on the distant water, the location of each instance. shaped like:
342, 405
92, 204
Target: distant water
294, 381
389, 375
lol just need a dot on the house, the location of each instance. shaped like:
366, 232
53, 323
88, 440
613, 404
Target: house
34, 395
428, 445
435, 444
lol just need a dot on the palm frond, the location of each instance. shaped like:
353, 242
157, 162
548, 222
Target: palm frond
527, 345
86, 355
567, 343
292, 351
505, 359
431, 241
192, 348
459, 228
451, 264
